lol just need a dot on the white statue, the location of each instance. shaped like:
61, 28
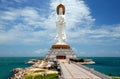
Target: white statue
60, 25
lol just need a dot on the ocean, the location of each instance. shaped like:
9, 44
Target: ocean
106, 65
7, 64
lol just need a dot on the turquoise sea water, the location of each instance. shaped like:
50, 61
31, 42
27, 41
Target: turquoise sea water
9, 63
105, 65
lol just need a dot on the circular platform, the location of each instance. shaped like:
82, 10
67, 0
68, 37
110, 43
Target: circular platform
60, 47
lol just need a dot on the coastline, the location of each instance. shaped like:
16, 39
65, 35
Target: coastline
42, 67
90, 62
39, 67
21, 62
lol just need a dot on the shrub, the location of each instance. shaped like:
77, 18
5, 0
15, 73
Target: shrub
49, 76
77, 60
39, 71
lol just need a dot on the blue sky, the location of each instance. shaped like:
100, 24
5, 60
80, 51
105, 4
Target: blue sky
27, 27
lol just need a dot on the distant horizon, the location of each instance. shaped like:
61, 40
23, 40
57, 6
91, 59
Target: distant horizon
34, 56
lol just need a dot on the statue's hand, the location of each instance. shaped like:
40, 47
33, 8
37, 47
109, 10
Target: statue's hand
60, 20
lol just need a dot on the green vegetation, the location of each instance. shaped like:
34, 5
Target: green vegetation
39, 71
49, 76
28, 77
77, 60
115, 77
81, 60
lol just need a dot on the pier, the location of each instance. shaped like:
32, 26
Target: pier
76, 71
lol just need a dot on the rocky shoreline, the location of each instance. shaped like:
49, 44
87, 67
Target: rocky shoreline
39, 67
90, 62
19, 73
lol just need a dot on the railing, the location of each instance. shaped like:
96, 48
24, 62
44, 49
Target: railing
62, 75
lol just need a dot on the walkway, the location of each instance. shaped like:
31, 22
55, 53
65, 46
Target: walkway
72, 71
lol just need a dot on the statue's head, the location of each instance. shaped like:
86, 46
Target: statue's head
60, 9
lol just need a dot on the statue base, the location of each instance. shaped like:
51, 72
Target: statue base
60, 51
59, 46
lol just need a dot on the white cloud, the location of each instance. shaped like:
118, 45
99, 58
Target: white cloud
41, 51
106, 34
8, 15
